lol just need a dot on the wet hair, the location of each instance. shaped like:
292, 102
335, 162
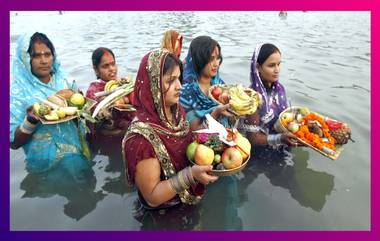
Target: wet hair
201, 49
171, 61
98, 54
42, 38
266, 51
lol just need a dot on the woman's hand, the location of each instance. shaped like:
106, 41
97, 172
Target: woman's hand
200, 174
221, 110
30, 116
290, 140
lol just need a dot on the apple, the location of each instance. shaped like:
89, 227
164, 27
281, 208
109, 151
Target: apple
224, 98
190, 151
231, 158
203, 155
243, 145
216, 92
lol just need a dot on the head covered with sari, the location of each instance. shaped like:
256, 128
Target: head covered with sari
49, 143
195, 102
274, 100
172, 41
151, 135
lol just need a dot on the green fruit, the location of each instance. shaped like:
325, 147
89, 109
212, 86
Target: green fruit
190, 151
43, 110
77, 100
217, 158
304, 111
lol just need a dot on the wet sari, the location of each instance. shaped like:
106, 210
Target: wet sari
151, 135
49, 145
194, 101
274, 99
117, 122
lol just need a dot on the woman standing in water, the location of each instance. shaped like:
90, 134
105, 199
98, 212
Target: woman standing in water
154, 147
201, 72
105, 68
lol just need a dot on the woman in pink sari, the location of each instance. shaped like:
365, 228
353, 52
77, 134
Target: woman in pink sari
154, 147
105, 67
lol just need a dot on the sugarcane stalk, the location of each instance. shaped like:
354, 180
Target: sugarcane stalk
106, 102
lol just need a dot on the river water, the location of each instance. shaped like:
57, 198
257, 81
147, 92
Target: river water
325, 66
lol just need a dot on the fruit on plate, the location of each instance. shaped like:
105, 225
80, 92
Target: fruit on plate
58, 100
293, 126
224, 97
204, 155
77, 100
341, 135
190, 150
243, 145
52, 116
231, 158
244, 101
61, 113
216, 92
65, 93
41, 109
70, 110
217, 158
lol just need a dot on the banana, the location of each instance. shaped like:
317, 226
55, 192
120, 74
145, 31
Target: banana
109, 84
244, 101
70, 110
52, 116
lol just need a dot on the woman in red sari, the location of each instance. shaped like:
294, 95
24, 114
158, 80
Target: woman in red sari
154, 147
105, 67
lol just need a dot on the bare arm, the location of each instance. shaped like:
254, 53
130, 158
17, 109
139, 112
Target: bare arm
25, 131
156, 191
20, 139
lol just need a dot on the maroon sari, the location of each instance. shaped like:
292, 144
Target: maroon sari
118, 122
151, 135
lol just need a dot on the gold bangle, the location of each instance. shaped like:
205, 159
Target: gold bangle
182, 181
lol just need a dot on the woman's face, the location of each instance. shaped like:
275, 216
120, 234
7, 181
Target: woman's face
107, 68
172, 86
269, 71
211, 68
41, 60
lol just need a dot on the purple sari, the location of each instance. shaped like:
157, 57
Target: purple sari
274, 100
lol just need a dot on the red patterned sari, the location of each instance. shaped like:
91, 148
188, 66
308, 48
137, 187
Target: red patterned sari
151, 135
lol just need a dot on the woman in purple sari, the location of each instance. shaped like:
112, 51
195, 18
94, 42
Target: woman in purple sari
265, 69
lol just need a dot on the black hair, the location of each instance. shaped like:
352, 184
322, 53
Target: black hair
40, 37
266, 51
171, 61
98, 54
201, 49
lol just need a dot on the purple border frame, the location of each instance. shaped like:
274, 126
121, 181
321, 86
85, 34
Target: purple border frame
342, 5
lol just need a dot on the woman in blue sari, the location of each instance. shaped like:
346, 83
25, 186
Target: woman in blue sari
36, 74
201, 72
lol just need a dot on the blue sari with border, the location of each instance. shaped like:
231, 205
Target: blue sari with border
194, 101
52, 144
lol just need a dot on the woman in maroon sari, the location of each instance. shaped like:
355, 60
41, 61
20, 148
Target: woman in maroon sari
154, 147
116, 123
